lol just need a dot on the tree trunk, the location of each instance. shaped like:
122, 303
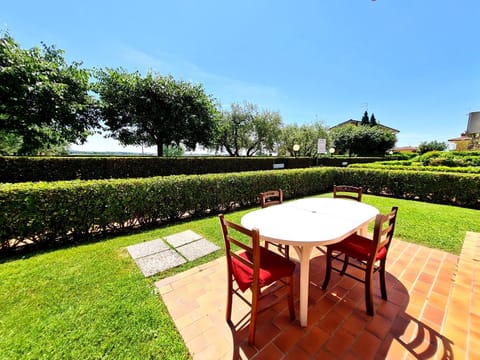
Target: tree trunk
159, 148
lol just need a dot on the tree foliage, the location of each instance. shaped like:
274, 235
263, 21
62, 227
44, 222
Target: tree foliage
365, 121
362, 140
425, 146
306, 136
373, 121
245, 129
45, 102
155, 110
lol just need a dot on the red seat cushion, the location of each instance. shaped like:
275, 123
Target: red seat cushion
358, 247
272, 268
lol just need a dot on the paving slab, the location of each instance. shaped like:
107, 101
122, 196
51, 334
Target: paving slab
153, 264
197, 249
182, 238
147, 248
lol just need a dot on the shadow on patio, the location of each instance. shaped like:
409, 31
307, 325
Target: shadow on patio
413, 324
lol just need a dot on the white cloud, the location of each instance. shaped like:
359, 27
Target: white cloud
227, 90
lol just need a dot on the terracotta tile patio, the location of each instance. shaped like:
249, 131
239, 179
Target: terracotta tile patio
433, 312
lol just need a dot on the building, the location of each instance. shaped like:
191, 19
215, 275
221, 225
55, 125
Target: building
462, 143
470, 139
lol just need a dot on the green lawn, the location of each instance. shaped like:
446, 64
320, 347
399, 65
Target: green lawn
91, 301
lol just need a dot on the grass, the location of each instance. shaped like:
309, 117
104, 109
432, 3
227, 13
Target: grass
91, 301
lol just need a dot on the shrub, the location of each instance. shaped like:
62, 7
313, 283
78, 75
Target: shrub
23, 169
45, 213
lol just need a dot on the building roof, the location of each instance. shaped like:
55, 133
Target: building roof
358, 122
461, 138
405, 149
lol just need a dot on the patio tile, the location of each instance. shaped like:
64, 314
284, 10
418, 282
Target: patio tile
417, 321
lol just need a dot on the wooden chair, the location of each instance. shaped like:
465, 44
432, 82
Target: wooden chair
371, 254
269, 198
347, 192
255, 268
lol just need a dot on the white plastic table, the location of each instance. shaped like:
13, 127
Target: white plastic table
307, 223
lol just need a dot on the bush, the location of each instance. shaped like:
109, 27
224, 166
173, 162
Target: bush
451, 158
436, 187
45, 213
24, 169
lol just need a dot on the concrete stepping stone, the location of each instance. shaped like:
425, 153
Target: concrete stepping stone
156, 256
197, 249
147, 248
153, 264
182, 238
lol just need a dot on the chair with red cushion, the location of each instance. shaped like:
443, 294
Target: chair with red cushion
347, 192
371, 255
255, 268
269, 198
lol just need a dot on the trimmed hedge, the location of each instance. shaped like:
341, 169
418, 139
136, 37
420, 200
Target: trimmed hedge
436, 187
23, 169
417, 167
44, 213
345, 161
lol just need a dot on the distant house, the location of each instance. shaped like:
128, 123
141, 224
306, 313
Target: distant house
358, 123
405, 149
462, 143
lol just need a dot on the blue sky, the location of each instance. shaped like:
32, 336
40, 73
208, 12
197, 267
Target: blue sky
414, 63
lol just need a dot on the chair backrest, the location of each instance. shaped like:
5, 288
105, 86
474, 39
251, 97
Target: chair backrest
347, 192
383, 231
232, 234
271, 197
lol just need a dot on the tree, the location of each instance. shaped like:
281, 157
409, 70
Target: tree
425, 146
155, 110
365, 120
362, 140
343, 138
373, 121
9, 143
306, 136
245, 128
45, 102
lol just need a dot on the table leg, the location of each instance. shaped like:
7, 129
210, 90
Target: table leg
304, 255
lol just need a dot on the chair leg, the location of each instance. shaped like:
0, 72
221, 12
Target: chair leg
345, 265
253, 317
328, 269
383, 285
229, 301
291, 309
369, 292
287, 252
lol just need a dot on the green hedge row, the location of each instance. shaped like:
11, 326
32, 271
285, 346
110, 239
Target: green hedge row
417, 167
436, 187
345, 161
47, 212
22, 169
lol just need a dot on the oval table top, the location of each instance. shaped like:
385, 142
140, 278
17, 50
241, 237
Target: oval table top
310, 221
